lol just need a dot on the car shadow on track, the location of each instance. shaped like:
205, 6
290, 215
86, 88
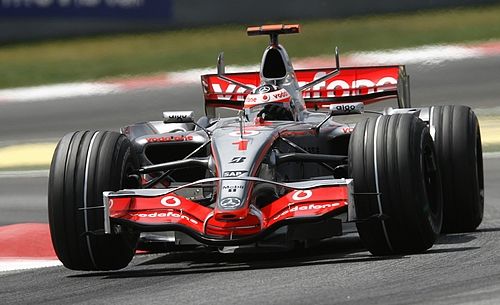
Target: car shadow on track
456, 238
487, 230
343, 250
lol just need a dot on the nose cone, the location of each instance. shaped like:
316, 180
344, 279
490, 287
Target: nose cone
232, 203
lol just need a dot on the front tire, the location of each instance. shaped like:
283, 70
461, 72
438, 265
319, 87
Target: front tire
86, 163
458, 148
397, 189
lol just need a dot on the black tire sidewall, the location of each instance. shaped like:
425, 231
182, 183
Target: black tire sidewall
388, 151
84, 165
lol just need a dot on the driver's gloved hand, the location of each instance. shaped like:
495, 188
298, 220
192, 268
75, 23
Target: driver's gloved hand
273, 112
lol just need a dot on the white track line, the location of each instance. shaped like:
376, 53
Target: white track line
427, 55
57, 91
491, 155
42, 173
16, 264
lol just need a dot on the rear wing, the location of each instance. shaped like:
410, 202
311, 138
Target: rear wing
352, 84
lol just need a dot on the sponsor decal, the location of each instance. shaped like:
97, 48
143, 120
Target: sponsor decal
345, 107
238, 160
232, 188
340, 87
307, 207
302, 195
228, 93
281, 94
164, 215
277, 96
251, 100
230, 203
179, 138
242, 144
233, 173
347, 129
347, 83
264, 89
245, 133
178, 117
170, 201
297, 133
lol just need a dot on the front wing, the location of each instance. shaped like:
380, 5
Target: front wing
154, 210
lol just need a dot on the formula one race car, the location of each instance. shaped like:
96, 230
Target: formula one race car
283, 171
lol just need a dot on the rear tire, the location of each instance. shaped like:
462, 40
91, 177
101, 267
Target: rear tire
394, 156
457, 140
86, 163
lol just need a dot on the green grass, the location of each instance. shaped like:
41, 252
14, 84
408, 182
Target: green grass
120, 55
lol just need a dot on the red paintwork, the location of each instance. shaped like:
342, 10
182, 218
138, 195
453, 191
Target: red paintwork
350, 82
243, 222
242, 144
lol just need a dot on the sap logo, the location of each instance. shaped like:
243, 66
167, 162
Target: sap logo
234, 173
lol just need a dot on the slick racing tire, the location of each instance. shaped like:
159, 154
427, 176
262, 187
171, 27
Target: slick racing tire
457, 139
397, 188
86, 163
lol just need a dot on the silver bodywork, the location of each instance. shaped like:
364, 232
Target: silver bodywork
242, 155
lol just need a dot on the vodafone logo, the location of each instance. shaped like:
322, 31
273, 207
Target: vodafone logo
340, 87
310, 207
170, 201
302, 195
282, 94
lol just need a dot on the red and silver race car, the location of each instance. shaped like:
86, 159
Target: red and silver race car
288, 169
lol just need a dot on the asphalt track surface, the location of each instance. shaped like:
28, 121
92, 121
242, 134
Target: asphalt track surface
459, 269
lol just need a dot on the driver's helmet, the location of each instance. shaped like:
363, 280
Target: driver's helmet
265, 95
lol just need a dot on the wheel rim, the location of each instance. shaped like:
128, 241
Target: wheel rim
431, 178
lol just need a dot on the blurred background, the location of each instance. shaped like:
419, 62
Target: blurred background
55, 41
